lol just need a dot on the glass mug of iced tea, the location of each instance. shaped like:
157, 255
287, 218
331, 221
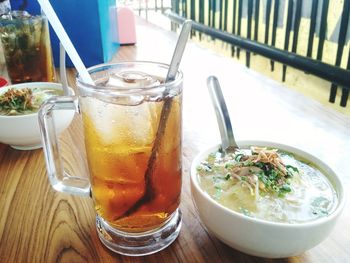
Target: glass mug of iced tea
132, 131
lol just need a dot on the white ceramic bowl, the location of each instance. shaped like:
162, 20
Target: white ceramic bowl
258, 237
22, 132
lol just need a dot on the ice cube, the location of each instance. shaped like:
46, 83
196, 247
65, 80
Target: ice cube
125, 100
122, 125
20, 14
132, 79
5, 7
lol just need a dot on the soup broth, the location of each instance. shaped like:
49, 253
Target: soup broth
25, 101
268, 184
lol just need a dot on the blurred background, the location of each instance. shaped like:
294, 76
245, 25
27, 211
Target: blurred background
314, 29
317, 29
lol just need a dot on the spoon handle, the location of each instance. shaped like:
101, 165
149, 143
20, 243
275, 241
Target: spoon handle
227, 138
149, 191
179, 50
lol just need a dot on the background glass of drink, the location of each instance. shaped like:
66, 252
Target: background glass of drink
26, 44
137, 207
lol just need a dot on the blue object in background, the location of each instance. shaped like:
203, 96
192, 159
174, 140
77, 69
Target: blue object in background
91, 25
31, 7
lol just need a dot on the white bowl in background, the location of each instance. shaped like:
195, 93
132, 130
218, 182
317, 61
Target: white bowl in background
22, 132
259, 237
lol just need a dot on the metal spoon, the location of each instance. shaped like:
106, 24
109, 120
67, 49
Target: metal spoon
228, 141
179, 50
172, 71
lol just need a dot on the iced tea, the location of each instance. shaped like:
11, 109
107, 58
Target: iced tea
27, 49
132, 130
119, 141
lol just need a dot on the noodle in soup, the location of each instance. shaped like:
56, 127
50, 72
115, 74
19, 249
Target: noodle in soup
267, 184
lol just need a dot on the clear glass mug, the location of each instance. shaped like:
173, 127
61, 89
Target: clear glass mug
132, 130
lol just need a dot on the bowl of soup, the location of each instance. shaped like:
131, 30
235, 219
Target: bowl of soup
266, 199
19, 106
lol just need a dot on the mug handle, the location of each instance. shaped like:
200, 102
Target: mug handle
60, 179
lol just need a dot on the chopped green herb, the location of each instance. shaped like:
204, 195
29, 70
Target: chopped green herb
15, 101
218, 192
290, 167
207, 167
290, 170
286, 188
229, 165
248, 163
259, 164
245, 211
238, 157
319, 206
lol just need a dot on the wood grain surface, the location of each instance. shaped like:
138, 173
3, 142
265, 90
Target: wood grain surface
38, 224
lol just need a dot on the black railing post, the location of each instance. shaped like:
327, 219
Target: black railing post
345, 91
201, 15
341, 42
267, 21
323, 28
274, 28
312, 28
221, 13
234, 11
256, 19
226, 13
287, 35
249, 28
240, 7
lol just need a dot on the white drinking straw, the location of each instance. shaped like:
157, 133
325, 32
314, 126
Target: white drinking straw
66, 42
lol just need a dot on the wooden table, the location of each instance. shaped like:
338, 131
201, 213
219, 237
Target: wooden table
38, 224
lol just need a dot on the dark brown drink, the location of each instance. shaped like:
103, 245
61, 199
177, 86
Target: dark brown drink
27, 49
134, 162
118, 165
